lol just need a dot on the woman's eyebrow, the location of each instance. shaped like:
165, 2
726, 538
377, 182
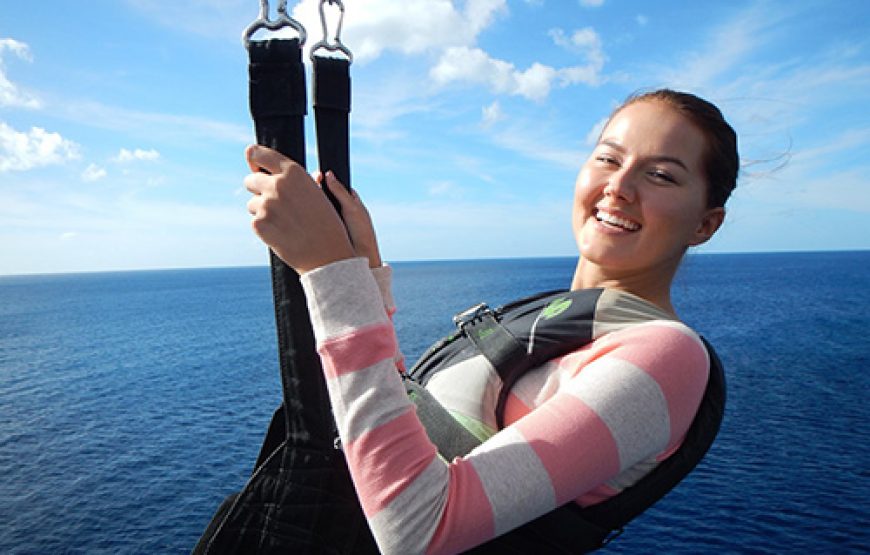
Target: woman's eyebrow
661, 158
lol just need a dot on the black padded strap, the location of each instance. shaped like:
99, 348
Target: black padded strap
277, 96
502, 350
278, 106
332, 115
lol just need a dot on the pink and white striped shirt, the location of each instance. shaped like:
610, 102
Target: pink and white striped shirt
579, 428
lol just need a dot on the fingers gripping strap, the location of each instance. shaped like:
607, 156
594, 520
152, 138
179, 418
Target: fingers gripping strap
331, 113
278, 99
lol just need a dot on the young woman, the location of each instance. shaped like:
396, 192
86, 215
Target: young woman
580, 428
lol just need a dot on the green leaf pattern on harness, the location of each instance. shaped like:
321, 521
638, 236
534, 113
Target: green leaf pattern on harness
556, 307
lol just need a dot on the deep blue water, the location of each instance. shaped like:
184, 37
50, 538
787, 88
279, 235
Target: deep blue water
132, 403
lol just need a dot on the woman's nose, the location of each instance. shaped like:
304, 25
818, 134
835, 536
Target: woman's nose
620, 184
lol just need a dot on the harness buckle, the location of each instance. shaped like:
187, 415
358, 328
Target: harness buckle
325, 43
264, 22
469, 315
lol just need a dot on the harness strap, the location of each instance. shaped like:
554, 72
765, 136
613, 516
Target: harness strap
332, 114
453, 439
500, 348
278, 107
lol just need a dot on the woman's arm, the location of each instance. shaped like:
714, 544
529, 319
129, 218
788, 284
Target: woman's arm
623, 407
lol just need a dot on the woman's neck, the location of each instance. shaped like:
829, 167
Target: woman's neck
653, 285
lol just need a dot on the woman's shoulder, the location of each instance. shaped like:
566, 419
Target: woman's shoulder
648, 337
630, 316
664, 352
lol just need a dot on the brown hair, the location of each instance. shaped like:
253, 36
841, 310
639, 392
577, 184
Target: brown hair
721, 161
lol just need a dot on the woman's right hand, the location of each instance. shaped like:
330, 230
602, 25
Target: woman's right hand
356, 219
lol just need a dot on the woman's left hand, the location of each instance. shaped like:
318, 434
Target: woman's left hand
291, 214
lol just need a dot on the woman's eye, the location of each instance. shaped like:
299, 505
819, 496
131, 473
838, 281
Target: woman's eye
660, 175
606, 159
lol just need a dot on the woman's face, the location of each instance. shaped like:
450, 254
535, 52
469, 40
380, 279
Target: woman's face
640, 198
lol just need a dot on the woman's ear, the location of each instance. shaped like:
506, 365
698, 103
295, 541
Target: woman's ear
710, 222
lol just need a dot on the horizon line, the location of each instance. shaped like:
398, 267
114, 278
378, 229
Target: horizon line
266, 264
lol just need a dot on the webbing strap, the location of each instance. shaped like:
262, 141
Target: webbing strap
501, 349
452, 439
332, 114
278, 107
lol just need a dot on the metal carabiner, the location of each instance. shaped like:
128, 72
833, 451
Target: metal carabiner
283, 20
337, 45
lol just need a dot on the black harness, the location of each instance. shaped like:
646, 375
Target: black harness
256, 519
523, 335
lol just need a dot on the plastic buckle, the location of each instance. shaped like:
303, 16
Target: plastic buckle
469, 315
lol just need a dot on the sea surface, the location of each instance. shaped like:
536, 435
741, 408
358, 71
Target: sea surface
132, 403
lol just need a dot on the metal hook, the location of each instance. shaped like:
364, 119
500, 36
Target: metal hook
336, 46
283, 20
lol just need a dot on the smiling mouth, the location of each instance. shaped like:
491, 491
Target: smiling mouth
615, 221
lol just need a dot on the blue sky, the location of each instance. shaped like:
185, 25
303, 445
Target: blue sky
122, 122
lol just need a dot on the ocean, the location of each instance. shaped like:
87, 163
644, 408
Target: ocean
132, 403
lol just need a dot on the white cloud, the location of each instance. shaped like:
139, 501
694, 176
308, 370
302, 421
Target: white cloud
586, 42
18, 48
473, 65
10, 94
591, 3
410, 27
371, 26
492, 114
93, 173
21, 151
138, 154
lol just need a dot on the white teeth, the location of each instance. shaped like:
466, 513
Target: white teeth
611, 219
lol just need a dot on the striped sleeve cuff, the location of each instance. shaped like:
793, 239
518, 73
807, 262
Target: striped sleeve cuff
384, 278
342, 297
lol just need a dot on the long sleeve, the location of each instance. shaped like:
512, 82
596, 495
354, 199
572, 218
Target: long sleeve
626, 405
383, 276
